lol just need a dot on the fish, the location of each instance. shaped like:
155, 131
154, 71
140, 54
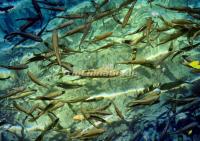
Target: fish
98, 112
38, 34
118, 112
152, 63
16, 67
37, 8
54, 8
140, 29
51, 95
86, 117
49, 107
75, 133
41, 56
68, 50
173, 36
6, 8
98, 118
53, 117
74, 16
55, 46
36, 107
36, 80
148, 100
135, 41
177, 24
13, 92
128, 15
171, 85
23, 94
104, 107
66, 85
167, 23
90, 133
63, 25
22, 109
163, 28
105, 46
182, 21
73, 31
47, 54
28, 24
24, 35
26, 19
104, 14
48, 128
43, 98
53, 124
143, 62
94, 99
57, 106
181, 9
101, 37
36, 57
